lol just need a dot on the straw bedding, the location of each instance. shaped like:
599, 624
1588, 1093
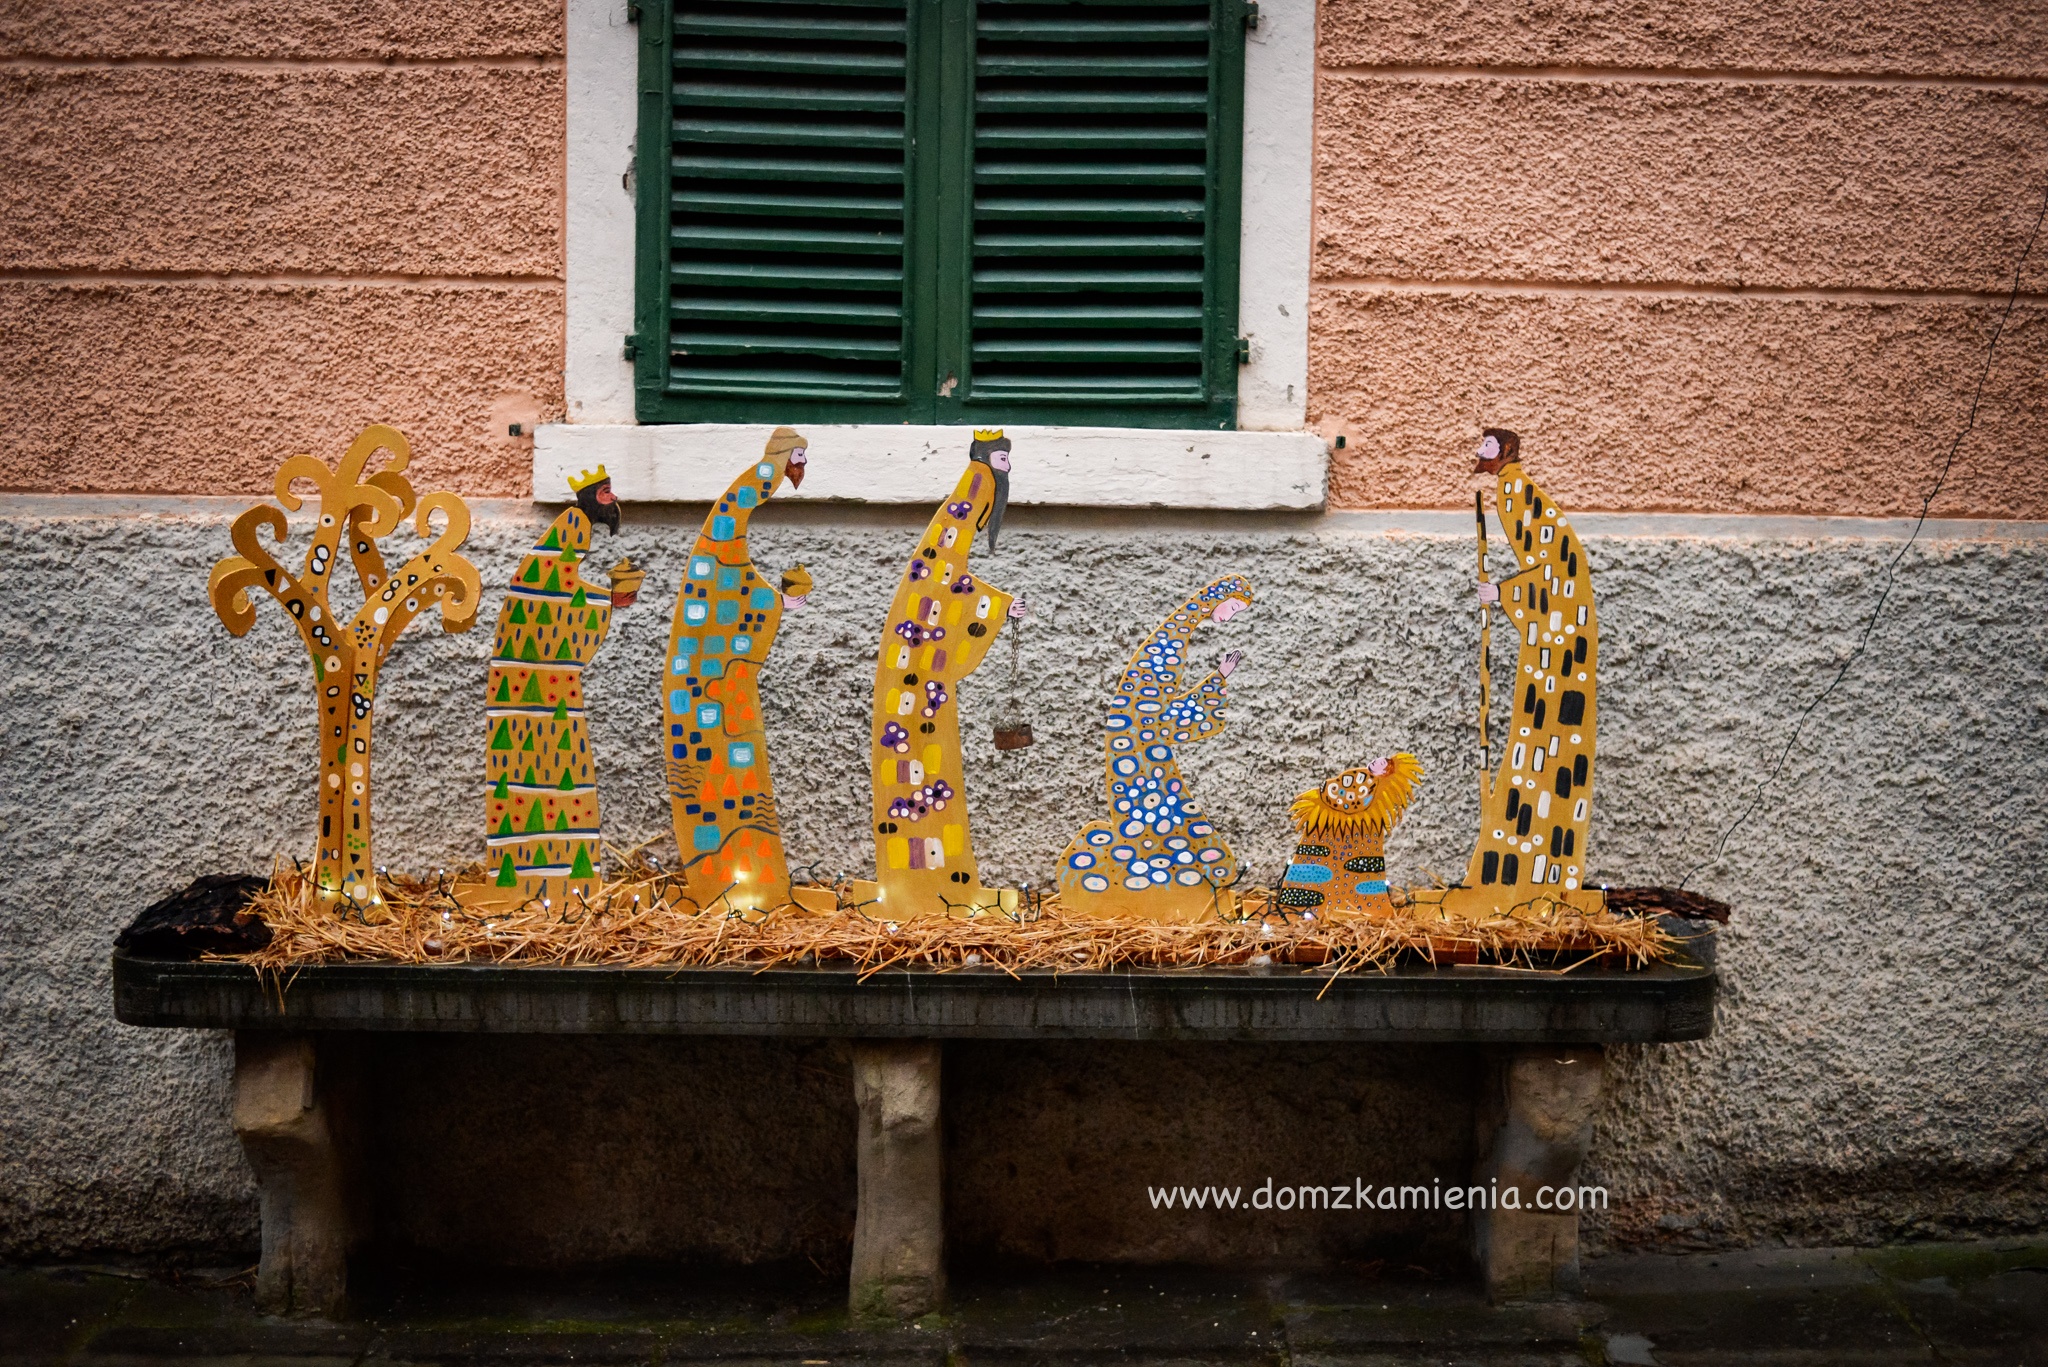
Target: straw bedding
640, 919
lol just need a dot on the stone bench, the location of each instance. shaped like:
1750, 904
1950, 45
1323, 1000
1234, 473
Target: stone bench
1544, 1034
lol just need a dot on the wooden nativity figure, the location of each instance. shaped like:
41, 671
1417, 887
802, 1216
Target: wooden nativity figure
728, 830
1535, 808
940, 626
543, 833
1340, 858
1157, 855
356, 511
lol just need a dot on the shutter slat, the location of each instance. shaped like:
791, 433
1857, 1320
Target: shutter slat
794, 61
1077, 30
1062, 316
847, 171
807, 99
989, 209
780, 382
765, 203
1067, 349
764, 310
1066, 388
713, 271
1068, 281
701, 25
1053, 139
876, 136
747, 344
1121, 67
1085, 244
1096, 101
1145, 174
1091, 134
785, 272
704, 237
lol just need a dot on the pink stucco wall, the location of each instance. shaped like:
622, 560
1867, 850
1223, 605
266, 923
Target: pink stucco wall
1742, 256
1731, 257
231, 232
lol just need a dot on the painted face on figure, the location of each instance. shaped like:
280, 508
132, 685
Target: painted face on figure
999, 461
600, 505
798, 459
1498, 447
1227, 609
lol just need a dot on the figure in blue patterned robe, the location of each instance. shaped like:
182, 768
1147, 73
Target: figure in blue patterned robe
1157, 855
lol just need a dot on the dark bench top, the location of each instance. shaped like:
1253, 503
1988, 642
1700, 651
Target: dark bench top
1482, 1005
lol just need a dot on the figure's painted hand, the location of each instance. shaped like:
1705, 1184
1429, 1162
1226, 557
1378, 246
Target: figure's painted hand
796, 587
1489, 593
1019, 610
1230, 661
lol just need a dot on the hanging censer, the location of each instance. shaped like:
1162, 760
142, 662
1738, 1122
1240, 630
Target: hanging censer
1012, 732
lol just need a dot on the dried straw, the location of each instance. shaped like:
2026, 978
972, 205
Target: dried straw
642, 920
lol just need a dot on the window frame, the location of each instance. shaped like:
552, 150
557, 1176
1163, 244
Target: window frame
938, 233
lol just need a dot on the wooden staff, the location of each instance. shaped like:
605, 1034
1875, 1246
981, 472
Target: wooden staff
1485, 648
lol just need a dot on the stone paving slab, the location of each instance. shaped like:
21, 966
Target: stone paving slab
1979, 1304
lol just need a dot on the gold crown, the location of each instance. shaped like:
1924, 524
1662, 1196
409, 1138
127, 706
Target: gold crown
988, 434
588, 478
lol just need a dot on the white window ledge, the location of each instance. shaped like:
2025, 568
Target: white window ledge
1100, 467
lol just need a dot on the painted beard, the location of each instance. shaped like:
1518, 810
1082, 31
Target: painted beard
994, 521
598, 509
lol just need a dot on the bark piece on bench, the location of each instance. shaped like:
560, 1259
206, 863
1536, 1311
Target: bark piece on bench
286, 1118
1536, 1121
899, 1227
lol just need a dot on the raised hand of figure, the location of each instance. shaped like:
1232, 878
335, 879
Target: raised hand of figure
796, 587
1488, 593
1019, 610
1231, 659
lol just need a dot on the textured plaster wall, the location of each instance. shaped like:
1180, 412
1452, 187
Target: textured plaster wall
1874, 1073
1732, 257
230, 232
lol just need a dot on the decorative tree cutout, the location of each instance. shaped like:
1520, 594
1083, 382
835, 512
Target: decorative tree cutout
346, 658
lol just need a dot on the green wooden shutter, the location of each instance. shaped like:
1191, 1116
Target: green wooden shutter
1105, 212
1010, 211
775, 269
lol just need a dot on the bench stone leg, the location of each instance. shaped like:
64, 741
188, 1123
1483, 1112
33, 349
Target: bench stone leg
288, 1132
1540, 1111
899, 1227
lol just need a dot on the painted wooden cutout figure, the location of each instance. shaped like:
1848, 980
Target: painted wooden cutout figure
1535, 809
1340, 861
541, 808
1157, 855
728, 831
941, 624
355, 512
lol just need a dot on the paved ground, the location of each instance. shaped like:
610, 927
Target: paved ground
1971, 1303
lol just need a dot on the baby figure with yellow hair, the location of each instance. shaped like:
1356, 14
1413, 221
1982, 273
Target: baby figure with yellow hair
1340, 865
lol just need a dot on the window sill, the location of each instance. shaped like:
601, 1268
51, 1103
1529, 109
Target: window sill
1098, 467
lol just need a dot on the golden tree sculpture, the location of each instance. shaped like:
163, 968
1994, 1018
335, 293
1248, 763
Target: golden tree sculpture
354, 511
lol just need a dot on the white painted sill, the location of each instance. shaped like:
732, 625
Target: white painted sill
1084, 467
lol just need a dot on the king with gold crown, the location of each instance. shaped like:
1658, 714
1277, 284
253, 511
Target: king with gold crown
543, 835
